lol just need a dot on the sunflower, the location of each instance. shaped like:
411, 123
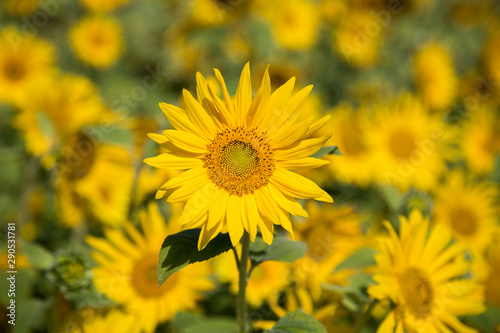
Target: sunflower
348, 128
237, 158
423, 275
266, 280
435, 76
294, 23
20, 8
468, 210
88, 320
492, 281
409, 144
103, 6
480, 140
26, 65
97, 40
127, 272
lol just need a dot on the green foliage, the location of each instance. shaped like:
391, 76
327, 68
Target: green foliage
281, 249
195, 323
38, 256
327, 150
297, 322
354, 295
181, 249
361, 258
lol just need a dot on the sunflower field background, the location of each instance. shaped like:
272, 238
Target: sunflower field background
411, 243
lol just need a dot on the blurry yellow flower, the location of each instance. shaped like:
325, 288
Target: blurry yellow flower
127, 272
480, 140
54, 115
356, 40
332, 10
331, 234
20, 7
491, 290
115, 321
409, 144
266, 281
469, 210
207, 12
96, 179
26, 65
97, 40
294, 23
491, 54
348, 128
237, 158
423, 275
435, 76
103, 6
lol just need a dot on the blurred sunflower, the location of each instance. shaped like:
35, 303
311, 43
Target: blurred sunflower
352, 42
480, 140
88, 321
492, 281
469, 210
103, 6
435, 76
266, 280
331, 234
423, 275
294, 23
20, 8
348, 128
409, 144
127, 272
97, 40
54, 115
490, 52
238, 156
26, 65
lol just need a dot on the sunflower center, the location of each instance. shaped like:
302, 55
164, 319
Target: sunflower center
14, 70
463, 221
145, 281
99, 39
239, 160
80, 156
417, 292
402, 144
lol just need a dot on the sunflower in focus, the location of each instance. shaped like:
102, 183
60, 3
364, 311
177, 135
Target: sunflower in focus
435, 76
26, 65
409, 144
480, 140
469, 210
237, 157
97, 41
127, 272
423, 275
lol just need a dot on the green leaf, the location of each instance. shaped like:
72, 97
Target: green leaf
181, 249
327, 150
27, 311
360, 258
297, 322
354, 295
282, 249
38, 256
195, 323
392, 196
485, 321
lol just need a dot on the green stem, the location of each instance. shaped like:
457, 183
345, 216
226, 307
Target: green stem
242, 268
363, 316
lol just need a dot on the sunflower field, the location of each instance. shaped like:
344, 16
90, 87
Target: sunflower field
249, 166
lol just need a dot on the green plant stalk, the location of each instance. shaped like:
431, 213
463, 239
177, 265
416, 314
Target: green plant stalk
242, 269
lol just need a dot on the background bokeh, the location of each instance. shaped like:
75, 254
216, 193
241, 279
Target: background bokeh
413, 90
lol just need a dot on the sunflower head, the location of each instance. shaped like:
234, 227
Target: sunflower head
237, 156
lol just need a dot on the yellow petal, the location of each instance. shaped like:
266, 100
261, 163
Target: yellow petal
290, 114
287, 202
266, 228
297, 186
206, 235
198, 204
223, 114
233, 216
199, 116
186, 141
265, 99
289, 135
158, 138
196, 174
243, 94
252, 215
218, 207
303, 149
177, 117
278, 102
301, 164
189, 187
313, 128
227, 97
169, 161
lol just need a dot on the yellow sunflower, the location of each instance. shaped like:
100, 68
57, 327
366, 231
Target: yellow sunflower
237, 157
348, 128
266, 281
88, 320
409, 144
103, 6
435, 76
26, 65
469, 210
20, 8
97, 40
480, 140
294, 23
127, 272
492, 281
423, 275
